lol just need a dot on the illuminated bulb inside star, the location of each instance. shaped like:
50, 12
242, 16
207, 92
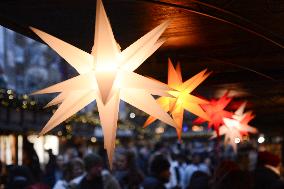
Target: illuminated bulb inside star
237, 140
197, 128
106, 67
106, 75
261, 139
132, 115
160, 130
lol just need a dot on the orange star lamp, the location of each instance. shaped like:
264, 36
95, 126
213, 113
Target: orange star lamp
181, 98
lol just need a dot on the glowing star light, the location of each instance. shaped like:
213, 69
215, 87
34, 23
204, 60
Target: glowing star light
237, 126
182, 99
106, 75
215, 111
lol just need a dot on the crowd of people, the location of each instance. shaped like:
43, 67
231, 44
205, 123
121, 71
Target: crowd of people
163, 166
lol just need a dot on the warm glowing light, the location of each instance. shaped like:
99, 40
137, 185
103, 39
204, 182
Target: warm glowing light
7, 144
43, 143
197, 128
9, 91
20, 149
237, 140
160, 130
25, 96
51, 142
261, 139
68, 128
132, 115
181, 98
93, 139
106, 75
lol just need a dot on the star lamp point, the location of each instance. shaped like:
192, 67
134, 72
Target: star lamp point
215, 110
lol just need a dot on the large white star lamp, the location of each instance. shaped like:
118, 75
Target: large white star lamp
106, 75
234, 128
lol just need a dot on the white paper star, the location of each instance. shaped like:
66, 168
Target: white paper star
106, 75
236, 127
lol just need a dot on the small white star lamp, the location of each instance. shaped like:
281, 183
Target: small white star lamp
106, 75
237, 126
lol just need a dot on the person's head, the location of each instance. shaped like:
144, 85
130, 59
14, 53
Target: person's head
93, 165
60, 161
199, 180
50, 152
26, 158
196, 159
77, 167
67, 171
159, 146
121, 161
229, 175
160, 168
52, 157
70, 153
180, 158
126, 160
224, 168
234, 179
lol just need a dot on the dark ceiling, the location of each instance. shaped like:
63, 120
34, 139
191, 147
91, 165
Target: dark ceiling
241, 41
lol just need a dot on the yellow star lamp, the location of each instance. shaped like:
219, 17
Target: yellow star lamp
181, 98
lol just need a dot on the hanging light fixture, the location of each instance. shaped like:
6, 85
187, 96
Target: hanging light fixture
181, 98
107, 76
236, 127
216, 112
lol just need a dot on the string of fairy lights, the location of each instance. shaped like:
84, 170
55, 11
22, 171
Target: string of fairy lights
9, 98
